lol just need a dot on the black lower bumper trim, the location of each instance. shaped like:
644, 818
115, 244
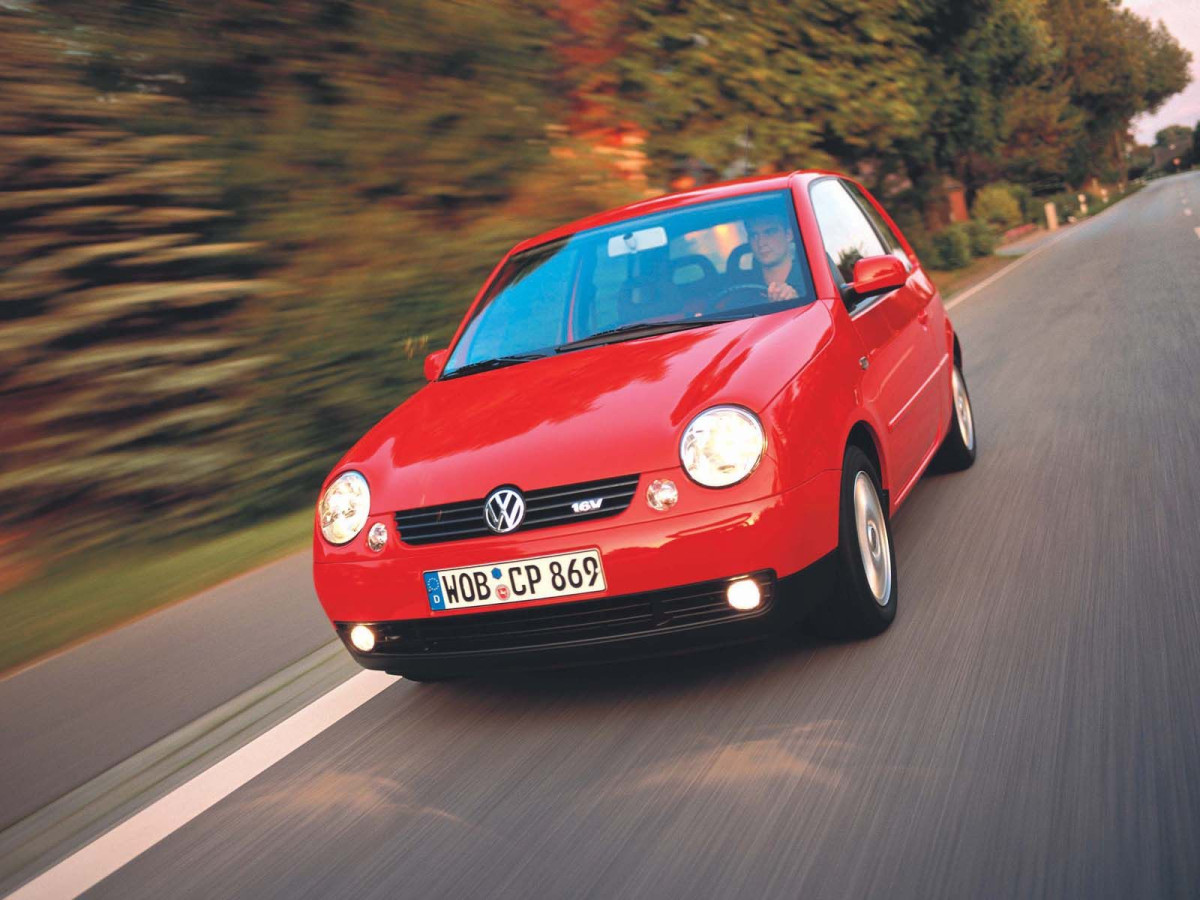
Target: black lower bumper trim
654, 623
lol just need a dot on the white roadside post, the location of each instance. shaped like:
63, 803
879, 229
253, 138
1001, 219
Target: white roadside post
1051, 216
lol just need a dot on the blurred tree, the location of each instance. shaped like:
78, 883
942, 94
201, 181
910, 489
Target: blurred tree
1116, 66
122, 372
1165, 62
1179, 135
383, 155
991, 109
754, 86
1141, 158
592, 39
1038, 130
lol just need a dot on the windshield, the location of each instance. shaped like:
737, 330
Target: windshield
684, 268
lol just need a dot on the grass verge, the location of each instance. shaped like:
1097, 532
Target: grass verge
94, 592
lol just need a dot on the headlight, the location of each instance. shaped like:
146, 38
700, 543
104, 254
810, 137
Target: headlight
344, 507
722, 446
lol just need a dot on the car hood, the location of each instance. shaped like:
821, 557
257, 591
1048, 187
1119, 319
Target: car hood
616, 409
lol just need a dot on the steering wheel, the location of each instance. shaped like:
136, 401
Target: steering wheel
758, 292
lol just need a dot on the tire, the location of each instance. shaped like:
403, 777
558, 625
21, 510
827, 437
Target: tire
865, 589
958, 449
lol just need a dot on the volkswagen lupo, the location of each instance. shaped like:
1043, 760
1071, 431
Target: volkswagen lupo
678, 424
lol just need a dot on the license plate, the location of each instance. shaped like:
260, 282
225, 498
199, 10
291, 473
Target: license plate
516, 581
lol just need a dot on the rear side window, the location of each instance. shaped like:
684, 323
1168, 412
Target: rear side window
889, 237
847, 234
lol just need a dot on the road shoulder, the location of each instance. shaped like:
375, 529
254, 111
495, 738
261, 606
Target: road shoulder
77, 714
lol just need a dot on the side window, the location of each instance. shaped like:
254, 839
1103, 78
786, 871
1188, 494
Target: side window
847, 234
894, 247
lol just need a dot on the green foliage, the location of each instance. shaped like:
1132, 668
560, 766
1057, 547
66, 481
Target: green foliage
998, 205
981, 236
1141, 158
759, 87
1028, 203
125, 370
926, 252
1177, 135
1115, 66
1033, 92
991, 107
1066, 203
952, 247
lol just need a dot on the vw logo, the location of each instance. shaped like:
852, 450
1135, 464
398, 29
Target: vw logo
504, 510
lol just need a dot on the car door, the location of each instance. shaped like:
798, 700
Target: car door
894, 342
934, 400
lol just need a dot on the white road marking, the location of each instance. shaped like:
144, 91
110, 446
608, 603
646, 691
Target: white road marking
996, 276
1187, 212
112, 850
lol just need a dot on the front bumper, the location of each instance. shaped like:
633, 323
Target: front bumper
652, 623
783, 532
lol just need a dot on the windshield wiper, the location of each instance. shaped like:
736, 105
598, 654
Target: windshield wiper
645, 329
498, 363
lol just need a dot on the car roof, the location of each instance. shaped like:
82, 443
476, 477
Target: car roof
740, 187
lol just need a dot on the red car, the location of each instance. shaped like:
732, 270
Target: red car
678, 423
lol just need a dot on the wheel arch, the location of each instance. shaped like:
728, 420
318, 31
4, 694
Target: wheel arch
863, 437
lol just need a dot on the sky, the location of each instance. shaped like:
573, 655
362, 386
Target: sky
1182, 18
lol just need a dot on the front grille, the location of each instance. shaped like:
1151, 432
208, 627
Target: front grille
549, 506
580, 620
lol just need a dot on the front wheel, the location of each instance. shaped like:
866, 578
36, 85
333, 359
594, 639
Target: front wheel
863, 602
958, 449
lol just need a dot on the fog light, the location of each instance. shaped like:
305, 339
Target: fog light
377, 537
744, 595
363, 638
662, 494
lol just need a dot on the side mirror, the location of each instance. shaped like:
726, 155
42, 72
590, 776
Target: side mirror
876, 274
434, 363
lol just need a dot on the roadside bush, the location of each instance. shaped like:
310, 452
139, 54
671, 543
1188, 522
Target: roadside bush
1065, 203
997, 205
1096, 201
926, 252
952, 246
1031, 208
906, 213
982, 237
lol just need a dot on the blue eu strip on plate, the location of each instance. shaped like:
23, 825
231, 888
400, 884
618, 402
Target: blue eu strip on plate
433, 587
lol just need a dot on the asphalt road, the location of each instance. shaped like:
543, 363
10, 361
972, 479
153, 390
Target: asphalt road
1029, 727
77, 714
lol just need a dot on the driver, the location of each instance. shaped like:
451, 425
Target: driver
773, 247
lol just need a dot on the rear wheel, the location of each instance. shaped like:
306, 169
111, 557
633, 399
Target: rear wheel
863, 602
958, 449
